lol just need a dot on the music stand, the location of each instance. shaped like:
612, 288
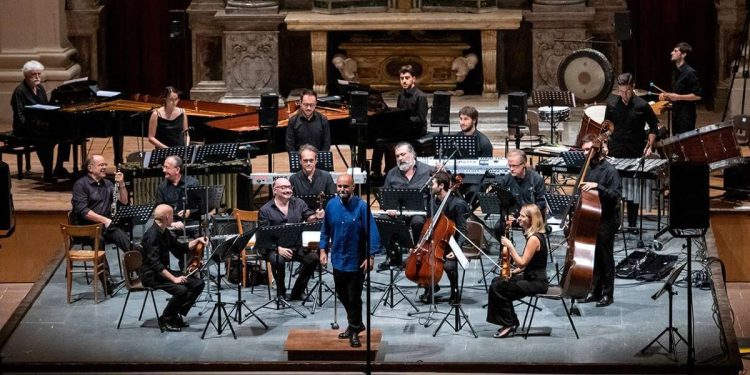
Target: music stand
394, 235
216, 152
286, 235
670, 330
553, 97
325, 161
557, 203
402, 199
574, 159
127, 216
159, 155
466, 145
206, 197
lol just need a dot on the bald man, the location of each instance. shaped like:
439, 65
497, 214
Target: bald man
157, 244
286, 209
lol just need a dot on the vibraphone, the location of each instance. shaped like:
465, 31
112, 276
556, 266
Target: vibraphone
652, 175
473, 169
142, 183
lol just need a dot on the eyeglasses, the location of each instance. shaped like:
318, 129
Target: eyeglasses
515, 165
308, 105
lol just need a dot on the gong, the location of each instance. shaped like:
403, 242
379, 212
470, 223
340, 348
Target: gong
587, 73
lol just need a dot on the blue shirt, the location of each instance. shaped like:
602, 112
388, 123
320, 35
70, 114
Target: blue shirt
344, 225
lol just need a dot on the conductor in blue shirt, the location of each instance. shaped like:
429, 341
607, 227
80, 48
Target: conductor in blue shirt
344, 238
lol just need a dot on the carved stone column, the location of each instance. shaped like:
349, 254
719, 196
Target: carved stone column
603, 29
208, 51
489, 63
557, 26
86, 33
730, 18
46, 41
319, 47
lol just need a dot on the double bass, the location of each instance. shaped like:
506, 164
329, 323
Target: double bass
578, 272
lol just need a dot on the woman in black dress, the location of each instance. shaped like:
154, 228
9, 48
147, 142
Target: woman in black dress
528, 278
168, 124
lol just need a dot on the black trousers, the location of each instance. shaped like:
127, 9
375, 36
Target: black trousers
113, 234
603, 283
502, 293
45, 150
308, 262
416, 223
183, 295
349, 291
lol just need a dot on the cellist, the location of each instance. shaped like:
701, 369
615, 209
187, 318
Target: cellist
457, 210
603, 177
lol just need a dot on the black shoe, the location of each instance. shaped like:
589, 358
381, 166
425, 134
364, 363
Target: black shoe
354, 341
346, 334
296, 297
384, 266
167, 324
61, 172
48, 180
504, 332
605, 301
453, 299
179, 322
590, 298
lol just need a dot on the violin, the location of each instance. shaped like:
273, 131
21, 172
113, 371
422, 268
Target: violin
196, 262
505, 254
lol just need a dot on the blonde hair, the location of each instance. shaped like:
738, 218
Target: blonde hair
537, 221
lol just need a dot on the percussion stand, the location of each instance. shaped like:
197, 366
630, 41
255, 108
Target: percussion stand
563, 98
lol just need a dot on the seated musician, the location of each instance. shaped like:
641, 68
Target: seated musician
30, 92
171, 191
168, 125
311, 180
468, 117
157, 244
308, 127
630, 114
93, 201
286, 209
526, 185
529, 276
604, 178
457, 210
408, 174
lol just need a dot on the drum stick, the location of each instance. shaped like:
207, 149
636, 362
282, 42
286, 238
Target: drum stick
656, 87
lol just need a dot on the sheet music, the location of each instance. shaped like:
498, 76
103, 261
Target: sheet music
45, 107
107, 94
459, 254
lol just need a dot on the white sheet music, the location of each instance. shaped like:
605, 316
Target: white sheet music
458, 253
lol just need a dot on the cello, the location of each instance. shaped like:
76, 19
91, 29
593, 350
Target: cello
578, 272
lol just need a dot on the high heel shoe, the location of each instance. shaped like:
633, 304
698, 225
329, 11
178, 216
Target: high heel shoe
504, 332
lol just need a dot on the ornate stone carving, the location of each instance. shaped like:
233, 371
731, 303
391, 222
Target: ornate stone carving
252, 6
489, 62
319, 48
462, 65
346, 66
208, 58
251, 62
549, 52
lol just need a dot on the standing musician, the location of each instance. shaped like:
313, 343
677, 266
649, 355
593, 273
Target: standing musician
686, 90
529, 276
286, 209
407, 174
456, 209
171, 191
347, 227
157, 244
308, 126
168, 125
93, 201
603, 177
526, 185
468, 117
311, 180
630, 114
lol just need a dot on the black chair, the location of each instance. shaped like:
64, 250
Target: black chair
14, 145
133, 260
554, 292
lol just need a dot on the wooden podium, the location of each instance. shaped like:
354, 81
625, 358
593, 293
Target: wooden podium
324, 345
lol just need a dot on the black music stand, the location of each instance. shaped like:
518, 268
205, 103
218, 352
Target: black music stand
574, 159
216, 152
670, 330
466, 146
159, 155
206, 197
394, 235
242, 239
325, 161
128, 216
402, 200
552, 98
557, 204
289, 235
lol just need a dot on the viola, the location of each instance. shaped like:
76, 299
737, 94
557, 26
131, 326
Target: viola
196, 262
505, 254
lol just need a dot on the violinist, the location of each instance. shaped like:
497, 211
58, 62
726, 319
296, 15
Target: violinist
155, 271
603, 177
526, 185
456, 209
533, 279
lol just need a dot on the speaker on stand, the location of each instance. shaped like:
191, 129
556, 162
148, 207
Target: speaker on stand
7, 213
441, 110
518, 104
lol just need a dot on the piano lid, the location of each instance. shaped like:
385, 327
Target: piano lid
75, 91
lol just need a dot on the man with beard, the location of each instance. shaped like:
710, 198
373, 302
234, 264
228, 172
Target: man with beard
308, 126
348, 225
171, 191
311, 180
686, 90
468, 117
526, 186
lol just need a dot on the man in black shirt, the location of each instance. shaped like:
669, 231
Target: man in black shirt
308, 126
286, 209
311, 180
630, 114
686, 89
408, 174
468, 117
171, 191
604, 179
157, 244
526, 186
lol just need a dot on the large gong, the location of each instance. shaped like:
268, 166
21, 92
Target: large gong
587, 73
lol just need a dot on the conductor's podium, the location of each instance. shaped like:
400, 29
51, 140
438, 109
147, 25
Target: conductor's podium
324, 345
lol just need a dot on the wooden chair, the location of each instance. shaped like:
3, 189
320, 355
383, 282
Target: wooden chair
133, 260
533, 138
244, 218
475, 233
96, 255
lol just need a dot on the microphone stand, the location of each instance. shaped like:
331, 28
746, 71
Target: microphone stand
183, 178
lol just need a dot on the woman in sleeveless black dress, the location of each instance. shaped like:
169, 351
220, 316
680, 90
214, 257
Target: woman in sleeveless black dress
168, 124
529, 278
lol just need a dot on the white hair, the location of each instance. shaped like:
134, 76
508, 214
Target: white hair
32, 65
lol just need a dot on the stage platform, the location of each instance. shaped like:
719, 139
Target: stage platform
53, 335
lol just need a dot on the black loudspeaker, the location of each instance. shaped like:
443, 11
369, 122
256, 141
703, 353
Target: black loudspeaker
441, 109
737, 180
177, 22
517, 107
358, 107
622, 25
269, 109
223, 224
688, 196
244, 192
7, 214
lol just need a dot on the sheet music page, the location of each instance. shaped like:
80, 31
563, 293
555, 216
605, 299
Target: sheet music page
45, 107
459, 254
107, 94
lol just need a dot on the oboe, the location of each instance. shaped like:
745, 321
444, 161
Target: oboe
115, 195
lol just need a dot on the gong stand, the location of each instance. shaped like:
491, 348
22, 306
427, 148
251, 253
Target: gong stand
552, 98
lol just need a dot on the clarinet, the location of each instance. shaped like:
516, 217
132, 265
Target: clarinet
115, 197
